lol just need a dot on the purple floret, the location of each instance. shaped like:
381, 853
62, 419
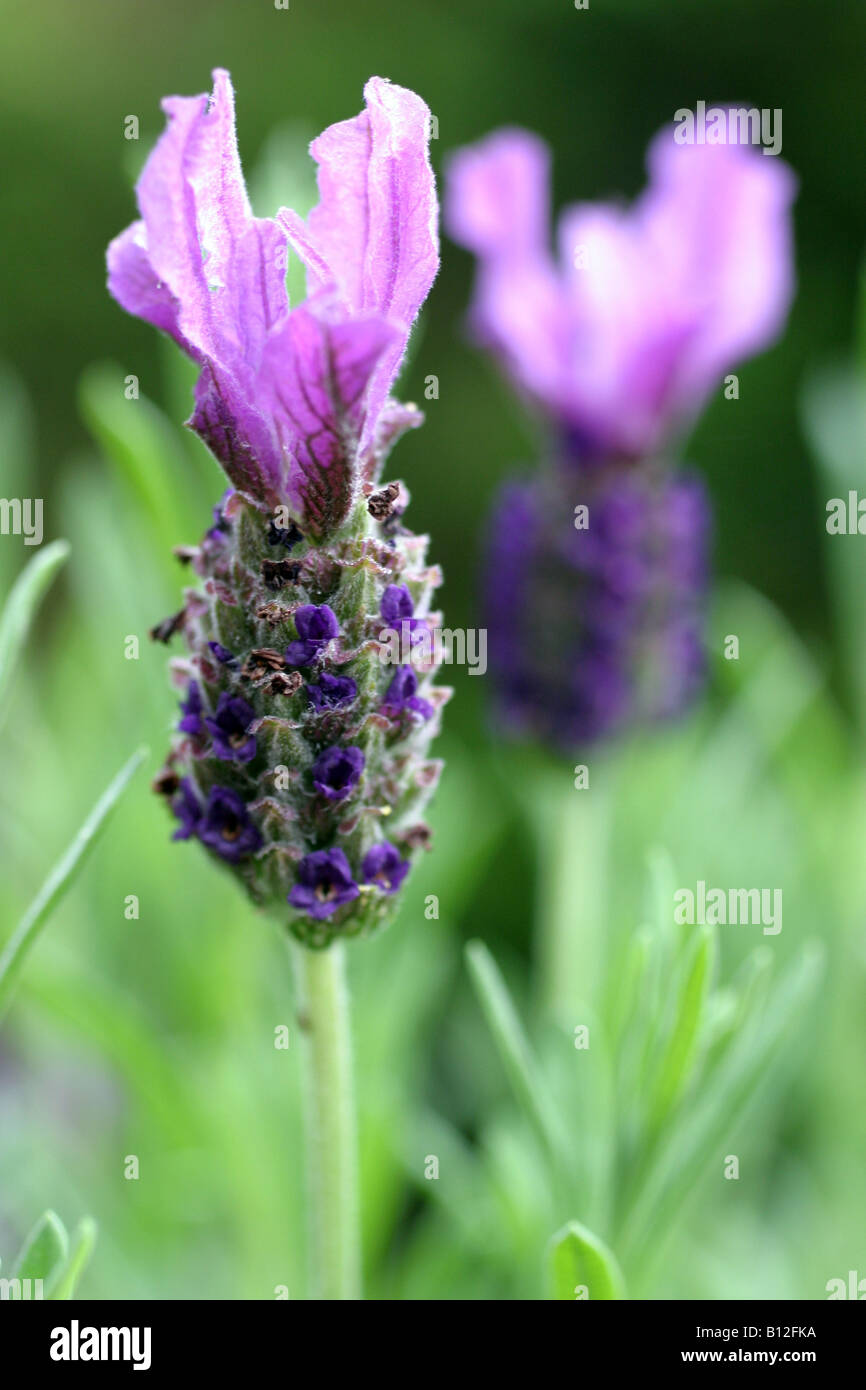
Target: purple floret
317, 625
191, 709
402, 694
332, 692
187, 808
222, 654
226, 827
397, 608
229, 729
337, 771
383, 866
324, 883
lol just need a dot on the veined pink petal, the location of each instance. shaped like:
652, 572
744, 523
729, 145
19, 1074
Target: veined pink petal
373, 232
315, 379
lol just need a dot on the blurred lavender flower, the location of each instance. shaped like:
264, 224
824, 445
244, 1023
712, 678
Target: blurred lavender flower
289, 757
597, 570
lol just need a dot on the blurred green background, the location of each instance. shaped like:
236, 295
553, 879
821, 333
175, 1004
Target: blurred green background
154, 1037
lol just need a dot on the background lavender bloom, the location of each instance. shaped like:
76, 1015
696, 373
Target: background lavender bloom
621, 339
591, 631
596, 573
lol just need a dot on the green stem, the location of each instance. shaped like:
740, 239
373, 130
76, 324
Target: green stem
332, 1147
572, 830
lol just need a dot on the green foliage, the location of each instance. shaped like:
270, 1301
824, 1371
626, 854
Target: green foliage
581, 1266
49, 1256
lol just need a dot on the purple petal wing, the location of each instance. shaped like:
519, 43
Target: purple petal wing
316, 375
498, 196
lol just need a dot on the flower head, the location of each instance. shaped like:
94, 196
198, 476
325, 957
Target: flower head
292, 401
622, 338
303, 554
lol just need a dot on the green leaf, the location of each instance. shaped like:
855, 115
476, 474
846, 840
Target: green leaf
46, 1247
20, 608
512, 1044
65, 1279
582, 1266
681, 1048
699, 1135
140, 442
57, 882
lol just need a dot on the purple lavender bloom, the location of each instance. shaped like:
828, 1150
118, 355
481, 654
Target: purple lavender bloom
332, 692
187, 808
337, 771
324, 883
226, 826
293, 402
397, 609
383, 865
317, 625
222, 654
596, 623
402, 694
191, 708
229, 729
592, 630
622, 340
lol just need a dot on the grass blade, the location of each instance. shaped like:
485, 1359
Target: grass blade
60, 878
21, 605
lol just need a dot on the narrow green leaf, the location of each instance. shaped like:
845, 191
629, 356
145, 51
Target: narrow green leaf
65, 1280
699, 1135
582, 1267
140, 442
57, 882
21, 605
46, 1247
512, 1044
681, 1049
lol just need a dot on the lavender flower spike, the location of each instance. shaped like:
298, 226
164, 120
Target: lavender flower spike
288, 758
597, 571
